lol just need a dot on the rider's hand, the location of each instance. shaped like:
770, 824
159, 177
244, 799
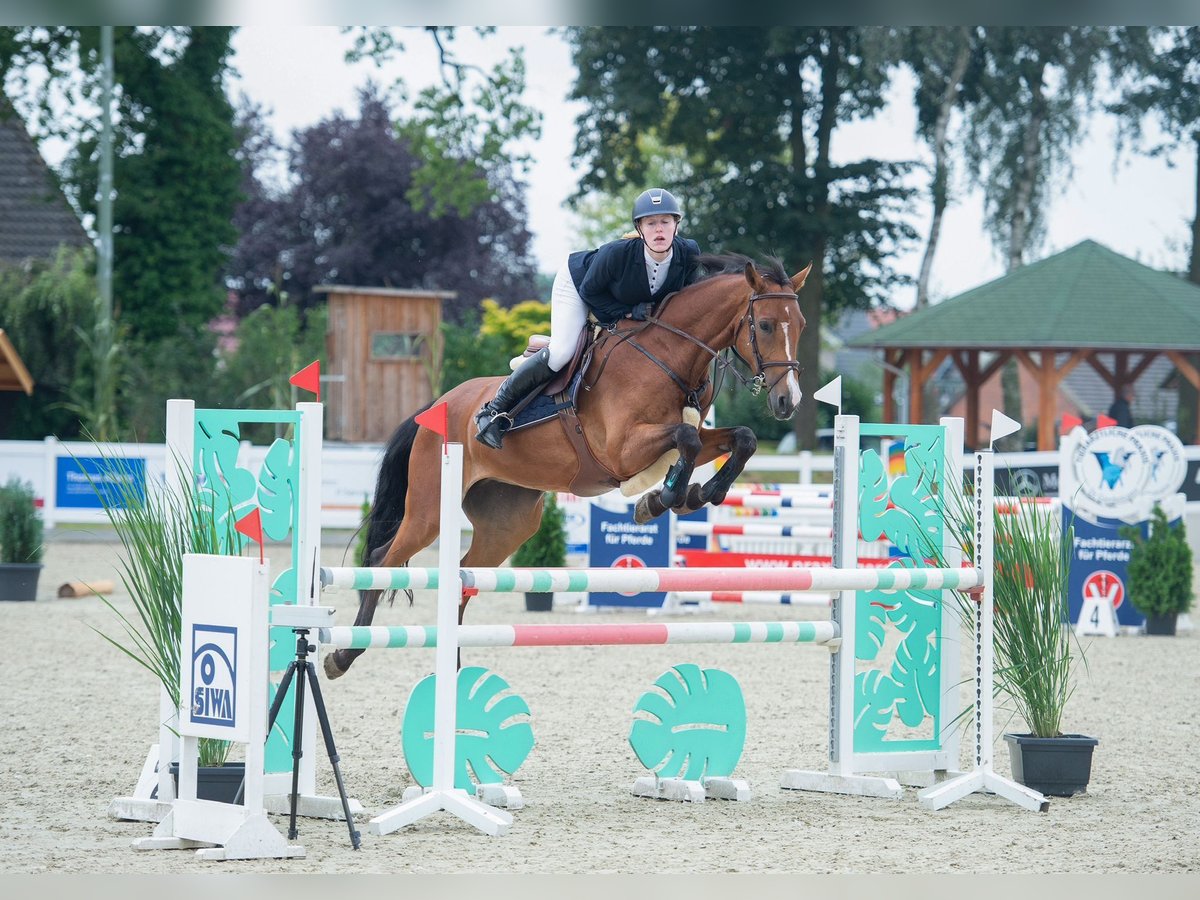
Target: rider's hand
641, 312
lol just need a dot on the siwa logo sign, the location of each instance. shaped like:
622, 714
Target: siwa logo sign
214, 675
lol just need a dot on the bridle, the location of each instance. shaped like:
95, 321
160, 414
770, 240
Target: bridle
760, 366
692, 395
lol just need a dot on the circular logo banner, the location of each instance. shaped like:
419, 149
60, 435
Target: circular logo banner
1168, 466
1111, 467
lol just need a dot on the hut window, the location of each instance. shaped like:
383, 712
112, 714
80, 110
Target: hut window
396, 345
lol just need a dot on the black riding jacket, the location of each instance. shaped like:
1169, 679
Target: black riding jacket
612, 278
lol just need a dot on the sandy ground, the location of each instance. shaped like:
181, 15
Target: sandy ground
81, 717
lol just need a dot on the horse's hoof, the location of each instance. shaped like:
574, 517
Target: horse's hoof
690, 503
332, 670
642, 511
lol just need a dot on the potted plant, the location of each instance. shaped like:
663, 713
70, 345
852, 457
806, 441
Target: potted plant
1160, 572
155, 529
546, 549
20, 542
1036, 651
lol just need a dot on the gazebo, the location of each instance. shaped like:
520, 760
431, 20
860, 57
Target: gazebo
1085, 305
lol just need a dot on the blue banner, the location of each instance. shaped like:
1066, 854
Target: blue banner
1100, 565
83, 481
619, 542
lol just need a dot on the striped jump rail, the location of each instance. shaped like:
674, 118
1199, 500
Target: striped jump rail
775, 598
775, 501
354, 637
506, 580
759, 529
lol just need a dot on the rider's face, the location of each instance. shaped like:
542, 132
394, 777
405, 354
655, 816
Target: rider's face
658, 232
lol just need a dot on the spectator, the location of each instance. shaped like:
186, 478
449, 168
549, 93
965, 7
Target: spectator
1121, 408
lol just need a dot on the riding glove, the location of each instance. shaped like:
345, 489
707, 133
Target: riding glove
641, 312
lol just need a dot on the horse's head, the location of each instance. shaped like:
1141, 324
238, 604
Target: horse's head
768, 336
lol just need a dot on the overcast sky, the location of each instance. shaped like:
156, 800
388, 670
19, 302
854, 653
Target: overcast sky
1141, 209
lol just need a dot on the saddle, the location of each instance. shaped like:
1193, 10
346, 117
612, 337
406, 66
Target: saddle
557, 400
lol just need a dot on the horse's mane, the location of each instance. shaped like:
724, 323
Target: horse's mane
730, 263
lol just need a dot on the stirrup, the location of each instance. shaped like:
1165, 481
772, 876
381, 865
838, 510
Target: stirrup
492, 434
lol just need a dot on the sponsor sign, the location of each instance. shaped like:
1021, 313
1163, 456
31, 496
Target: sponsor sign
618, 541
88, 482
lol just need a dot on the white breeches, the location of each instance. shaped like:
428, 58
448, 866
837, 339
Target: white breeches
568, 315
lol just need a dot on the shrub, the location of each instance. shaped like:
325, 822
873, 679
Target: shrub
1160, 567
20, 524
547, 548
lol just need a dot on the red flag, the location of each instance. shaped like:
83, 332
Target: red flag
1103, 421
251, 526
309, 378
1070, 422
437, 420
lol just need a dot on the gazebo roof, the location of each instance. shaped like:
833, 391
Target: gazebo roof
1085, 296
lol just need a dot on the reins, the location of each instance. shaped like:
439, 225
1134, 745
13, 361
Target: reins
692, 395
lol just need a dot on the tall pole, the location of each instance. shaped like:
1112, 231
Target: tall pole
104, 377
104, 201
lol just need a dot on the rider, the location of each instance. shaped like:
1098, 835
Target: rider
623, 278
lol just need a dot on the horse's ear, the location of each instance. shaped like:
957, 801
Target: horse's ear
800, 277
756, 283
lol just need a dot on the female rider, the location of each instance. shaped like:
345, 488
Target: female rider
624, 278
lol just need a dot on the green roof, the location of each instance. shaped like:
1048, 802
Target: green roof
1086, 296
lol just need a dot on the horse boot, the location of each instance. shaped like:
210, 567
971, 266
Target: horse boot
493, 419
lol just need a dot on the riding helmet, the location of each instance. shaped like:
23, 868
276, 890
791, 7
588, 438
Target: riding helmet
653, 202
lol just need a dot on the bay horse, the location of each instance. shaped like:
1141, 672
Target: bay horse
637, 384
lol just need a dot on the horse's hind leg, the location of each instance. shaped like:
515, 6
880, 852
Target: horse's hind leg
504, 516
415, 533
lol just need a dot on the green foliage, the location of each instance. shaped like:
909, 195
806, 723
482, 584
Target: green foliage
273, 343
1160, 567
547, 548
50, 315
20, 524
156, 527
515, 324
468, 353
470, 115
1034, 659
492, 741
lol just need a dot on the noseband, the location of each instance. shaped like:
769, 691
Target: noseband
760, 366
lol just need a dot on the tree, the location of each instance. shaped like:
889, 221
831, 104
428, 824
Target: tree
754, 111
1160, 82
347, 217
176, 176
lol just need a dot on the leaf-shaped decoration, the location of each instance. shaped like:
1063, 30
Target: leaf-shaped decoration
908, 675
874, 705
698, 727
231, 488
870, 625
872, 494
277, 491
914, 523
492, 738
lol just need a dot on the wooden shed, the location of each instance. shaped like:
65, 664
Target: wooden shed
378, 368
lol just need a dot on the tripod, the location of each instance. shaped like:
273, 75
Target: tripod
308, 674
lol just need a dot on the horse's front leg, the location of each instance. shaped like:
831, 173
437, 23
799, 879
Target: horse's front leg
337, 662
685, 439
740, 443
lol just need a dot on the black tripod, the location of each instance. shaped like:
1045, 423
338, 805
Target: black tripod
308, 674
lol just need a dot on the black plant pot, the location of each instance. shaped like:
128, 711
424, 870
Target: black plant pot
539, 601
1056, 766
219, 783
19, 581
1164, 624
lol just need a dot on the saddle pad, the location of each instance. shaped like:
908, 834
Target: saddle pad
544, 406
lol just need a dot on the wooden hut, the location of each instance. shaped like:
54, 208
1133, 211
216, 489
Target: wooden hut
378, 368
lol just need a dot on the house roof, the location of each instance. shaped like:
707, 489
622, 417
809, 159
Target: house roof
35, 218
1085, 296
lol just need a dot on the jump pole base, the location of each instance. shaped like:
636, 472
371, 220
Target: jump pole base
138, 809
853, 785
982, 781
502, 795
488, 820
682, 790
311, 806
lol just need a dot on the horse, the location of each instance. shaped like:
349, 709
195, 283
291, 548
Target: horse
645, 387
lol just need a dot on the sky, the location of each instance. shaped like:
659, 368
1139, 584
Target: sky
1139, 207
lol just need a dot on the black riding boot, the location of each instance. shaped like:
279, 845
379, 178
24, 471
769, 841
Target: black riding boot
493, 419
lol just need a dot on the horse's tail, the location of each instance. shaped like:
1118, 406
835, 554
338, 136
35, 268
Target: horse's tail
387, 510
